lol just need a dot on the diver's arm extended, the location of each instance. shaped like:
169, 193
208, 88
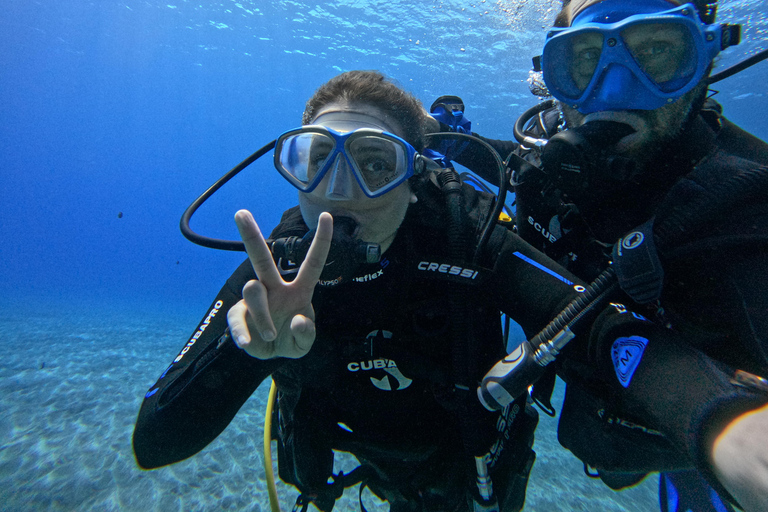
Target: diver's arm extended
527, 285
211, 378
201, 391
740, 459
740, 452
478, 160
673, 387
693, 400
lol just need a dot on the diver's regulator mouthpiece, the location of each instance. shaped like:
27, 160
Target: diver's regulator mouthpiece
580, 161
345, 256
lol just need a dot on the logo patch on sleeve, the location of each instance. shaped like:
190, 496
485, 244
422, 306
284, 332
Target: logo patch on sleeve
627, 354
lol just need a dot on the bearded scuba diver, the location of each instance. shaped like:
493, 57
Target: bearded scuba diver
635, 170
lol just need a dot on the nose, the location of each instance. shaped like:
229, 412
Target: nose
342, 185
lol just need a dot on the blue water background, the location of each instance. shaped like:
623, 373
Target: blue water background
114, 116
137, 107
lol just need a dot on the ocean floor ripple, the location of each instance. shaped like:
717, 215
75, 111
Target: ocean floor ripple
69, 394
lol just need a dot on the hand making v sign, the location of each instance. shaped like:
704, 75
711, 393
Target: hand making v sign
275, 318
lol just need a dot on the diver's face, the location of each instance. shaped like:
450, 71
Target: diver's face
658, 55
652, 127
340, 194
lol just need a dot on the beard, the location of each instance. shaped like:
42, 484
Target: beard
656, 129
659, 148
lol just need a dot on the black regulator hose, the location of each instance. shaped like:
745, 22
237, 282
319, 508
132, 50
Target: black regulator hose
739, 66
503, 187
450, 184
215, 243
345, 256
511, 377
592, 296
519, 127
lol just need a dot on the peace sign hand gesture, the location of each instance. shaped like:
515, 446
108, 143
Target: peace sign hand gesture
275, 318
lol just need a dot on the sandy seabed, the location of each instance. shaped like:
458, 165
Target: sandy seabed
70, 389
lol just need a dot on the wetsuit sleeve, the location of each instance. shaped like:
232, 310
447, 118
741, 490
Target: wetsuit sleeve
747, 284
654, 374
528, 286
203, 388
478, 160
648, 370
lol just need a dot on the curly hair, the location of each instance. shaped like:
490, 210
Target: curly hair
373, 88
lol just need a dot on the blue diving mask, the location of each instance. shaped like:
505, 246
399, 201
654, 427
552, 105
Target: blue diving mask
379, 161
630, 54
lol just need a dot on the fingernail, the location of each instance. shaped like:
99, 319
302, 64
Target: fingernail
268, 335
241, 341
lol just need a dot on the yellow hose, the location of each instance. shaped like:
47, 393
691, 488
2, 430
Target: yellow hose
271, 489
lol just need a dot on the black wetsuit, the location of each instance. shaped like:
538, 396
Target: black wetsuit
384, 365
715, 289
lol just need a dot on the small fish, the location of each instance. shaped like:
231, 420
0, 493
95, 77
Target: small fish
119, 215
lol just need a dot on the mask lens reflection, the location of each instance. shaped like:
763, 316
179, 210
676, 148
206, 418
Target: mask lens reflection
663, 51
584, 52
304, 154
379, 161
